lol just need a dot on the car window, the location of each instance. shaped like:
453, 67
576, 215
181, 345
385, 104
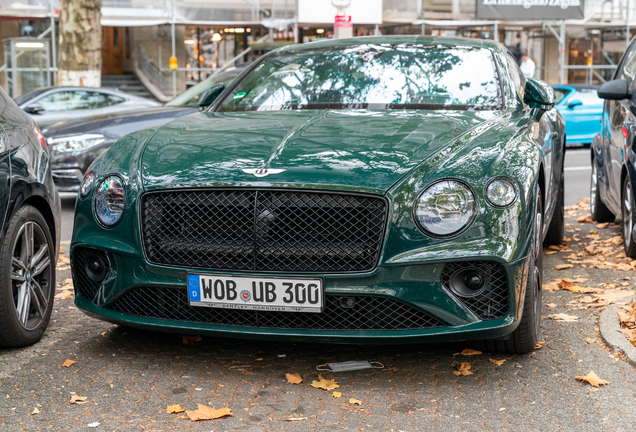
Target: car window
190, 97
382, 76
628, 66
101, 100
517, 76
30, 95
77, 100
560, 93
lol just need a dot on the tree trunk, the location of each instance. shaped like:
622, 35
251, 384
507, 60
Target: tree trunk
80, 49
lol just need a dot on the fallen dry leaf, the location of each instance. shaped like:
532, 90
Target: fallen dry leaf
207, 413
191, 340
584, 219
497, 362
590, 340
68, 363
551, 305
563, 266
35, 411
63, 261
470, 352
539, 345
336, 394
602, 225
463, 369
353, 401
297, 418
549, 252
75, 399
592, 379
294, 378
563, 317
175, 409
324, 384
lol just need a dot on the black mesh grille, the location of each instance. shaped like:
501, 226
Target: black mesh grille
368, 312
84, 285
492, 303
267, 231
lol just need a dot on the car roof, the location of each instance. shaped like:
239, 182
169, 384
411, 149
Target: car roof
398, 39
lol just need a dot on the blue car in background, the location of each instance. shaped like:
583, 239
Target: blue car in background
581, 108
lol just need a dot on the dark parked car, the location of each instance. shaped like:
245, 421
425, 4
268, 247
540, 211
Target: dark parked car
76, 143
614, 153
376, 190
48, 105
30, 228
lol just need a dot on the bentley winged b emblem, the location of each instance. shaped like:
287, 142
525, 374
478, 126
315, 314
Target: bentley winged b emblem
262, 172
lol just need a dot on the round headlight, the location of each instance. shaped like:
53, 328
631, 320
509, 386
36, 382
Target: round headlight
87, 184
445, 208
501, 192
110, 201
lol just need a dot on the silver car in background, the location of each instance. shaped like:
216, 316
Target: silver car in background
48, 105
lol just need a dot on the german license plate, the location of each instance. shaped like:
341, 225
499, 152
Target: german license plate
256, 293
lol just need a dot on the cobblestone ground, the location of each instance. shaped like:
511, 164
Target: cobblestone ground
129, 378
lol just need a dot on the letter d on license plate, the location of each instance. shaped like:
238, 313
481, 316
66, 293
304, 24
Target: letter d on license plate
256, 293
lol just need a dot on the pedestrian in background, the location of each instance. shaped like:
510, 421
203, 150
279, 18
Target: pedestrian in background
527, 66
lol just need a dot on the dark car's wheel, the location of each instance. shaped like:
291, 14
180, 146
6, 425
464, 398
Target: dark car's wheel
557, 225
524, 339
598, 211
628, 210
27, 279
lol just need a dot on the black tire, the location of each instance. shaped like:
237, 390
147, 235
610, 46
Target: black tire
524, 339
556, 231
27, 279
598, 211
628, 213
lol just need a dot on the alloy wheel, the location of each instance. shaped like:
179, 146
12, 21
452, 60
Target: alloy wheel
536, 277
31, 275
628, 220
593, 188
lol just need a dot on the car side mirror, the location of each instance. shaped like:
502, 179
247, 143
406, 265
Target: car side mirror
34, 109
617, 89
539, 95
210, 95
574, 103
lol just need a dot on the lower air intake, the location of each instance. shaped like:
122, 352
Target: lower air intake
366, 313
492, 301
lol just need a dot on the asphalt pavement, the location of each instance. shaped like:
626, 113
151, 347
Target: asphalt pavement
130, 377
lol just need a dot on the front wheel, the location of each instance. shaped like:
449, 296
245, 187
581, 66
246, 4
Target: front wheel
598, 210
27, 279
524, 339
629, 213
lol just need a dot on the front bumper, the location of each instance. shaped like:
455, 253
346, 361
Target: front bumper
67, 180
416, 286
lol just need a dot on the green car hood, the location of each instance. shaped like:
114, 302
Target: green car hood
334, 149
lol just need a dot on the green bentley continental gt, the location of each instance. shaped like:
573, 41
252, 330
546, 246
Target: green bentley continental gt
370, 190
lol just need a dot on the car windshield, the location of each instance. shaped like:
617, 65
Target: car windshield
587, 96
560, 93
190, 97
382, 76
30, 95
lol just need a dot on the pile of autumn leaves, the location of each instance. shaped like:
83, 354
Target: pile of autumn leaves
587, 248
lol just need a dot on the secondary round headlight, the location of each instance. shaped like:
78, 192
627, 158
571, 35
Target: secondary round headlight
445, 208
87, 184
110, 201
501, 192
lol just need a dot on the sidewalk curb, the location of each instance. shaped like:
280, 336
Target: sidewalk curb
609, 326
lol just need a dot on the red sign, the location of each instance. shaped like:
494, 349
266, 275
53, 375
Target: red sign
342, 21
